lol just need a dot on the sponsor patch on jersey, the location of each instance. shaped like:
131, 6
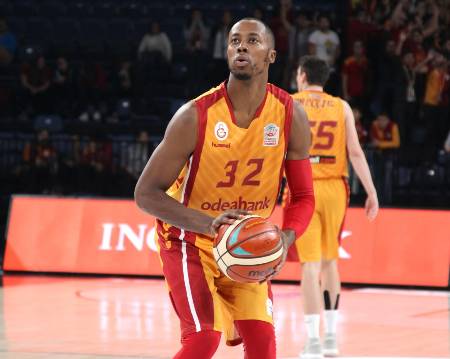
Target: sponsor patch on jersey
221, 145
322, 159
271, 135
221, 131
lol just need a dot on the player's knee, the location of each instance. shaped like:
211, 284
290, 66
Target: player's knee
329, 264
199, 345
258, 338
206, 341
311, 269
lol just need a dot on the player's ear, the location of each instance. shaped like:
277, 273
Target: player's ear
272, 56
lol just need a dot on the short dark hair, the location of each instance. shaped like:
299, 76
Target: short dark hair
317, 70
268, 30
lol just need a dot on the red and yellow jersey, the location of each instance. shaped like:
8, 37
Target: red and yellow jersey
328, 153
234, 167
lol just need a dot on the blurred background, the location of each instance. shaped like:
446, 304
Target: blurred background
88, 87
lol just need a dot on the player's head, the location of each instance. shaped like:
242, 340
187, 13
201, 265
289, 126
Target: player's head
250, 49
312, 71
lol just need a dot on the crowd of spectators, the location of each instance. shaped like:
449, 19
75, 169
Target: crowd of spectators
81, 165
389, 60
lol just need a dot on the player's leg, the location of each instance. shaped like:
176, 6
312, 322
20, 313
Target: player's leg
309, 251
190, 275
311, 296
258, 337
250, 307
201, 344
331, 288
331, 284
333, 216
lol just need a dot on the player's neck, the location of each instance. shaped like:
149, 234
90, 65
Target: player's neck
316, 88
247, 95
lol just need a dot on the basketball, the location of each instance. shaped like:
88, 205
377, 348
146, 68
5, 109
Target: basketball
249, 249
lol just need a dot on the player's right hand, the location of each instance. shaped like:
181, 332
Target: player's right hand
227, 217
371, 207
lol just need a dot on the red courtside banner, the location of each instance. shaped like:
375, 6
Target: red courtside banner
78, 235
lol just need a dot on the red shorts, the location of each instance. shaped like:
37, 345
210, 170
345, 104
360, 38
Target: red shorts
203, 297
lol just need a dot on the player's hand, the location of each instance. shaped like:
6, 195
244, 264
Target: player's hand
371, 207
227, 217
286, 244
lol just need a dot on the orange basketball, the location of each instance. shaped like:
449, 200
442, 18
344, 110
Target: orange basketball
249, 249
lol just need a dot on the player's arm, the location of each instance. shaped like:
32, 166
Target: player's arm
162, 170
299, 176
359, 163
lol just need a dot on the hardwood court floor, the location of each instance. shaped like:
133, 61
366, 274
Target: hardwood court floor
45, 317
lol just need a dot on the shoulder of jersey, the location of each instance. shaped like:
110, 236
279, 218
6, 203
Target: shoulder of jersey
296, 96
279, 93
211, 95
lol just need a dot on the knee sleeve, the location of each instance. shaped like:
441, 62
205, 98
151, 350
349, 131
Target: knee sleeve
200, 345
258, 338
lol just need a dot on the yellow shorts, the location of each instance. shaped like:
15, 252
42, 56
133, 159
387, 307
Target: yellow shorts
322, 237
202, 296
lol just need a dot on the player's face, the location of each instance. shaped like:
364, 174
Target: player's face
249, 50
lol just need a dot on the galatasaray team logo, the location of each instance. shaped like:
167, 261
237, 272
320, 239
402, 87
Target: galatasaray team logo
271, 135
221, 131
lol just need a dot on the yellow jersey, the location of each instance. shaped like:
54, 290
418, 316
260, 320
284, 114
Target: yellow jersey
328, 153
233, 167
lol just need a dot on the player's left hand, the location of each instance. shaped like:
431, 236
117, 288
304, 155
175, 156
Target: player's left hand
286, 244
371, 206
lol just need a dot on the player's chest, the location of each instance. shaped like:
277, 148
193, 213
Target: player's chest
262, 135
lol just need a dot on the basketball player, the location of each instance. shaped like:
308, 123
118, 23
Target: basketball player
334, 137
222, 156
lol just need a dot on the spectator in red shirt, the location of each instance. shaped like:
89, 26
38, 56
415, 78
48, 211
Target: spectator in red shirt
435, 104
281, 26
95, 166
385, 138
384, 133
412, 42
354, 76
359, 29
